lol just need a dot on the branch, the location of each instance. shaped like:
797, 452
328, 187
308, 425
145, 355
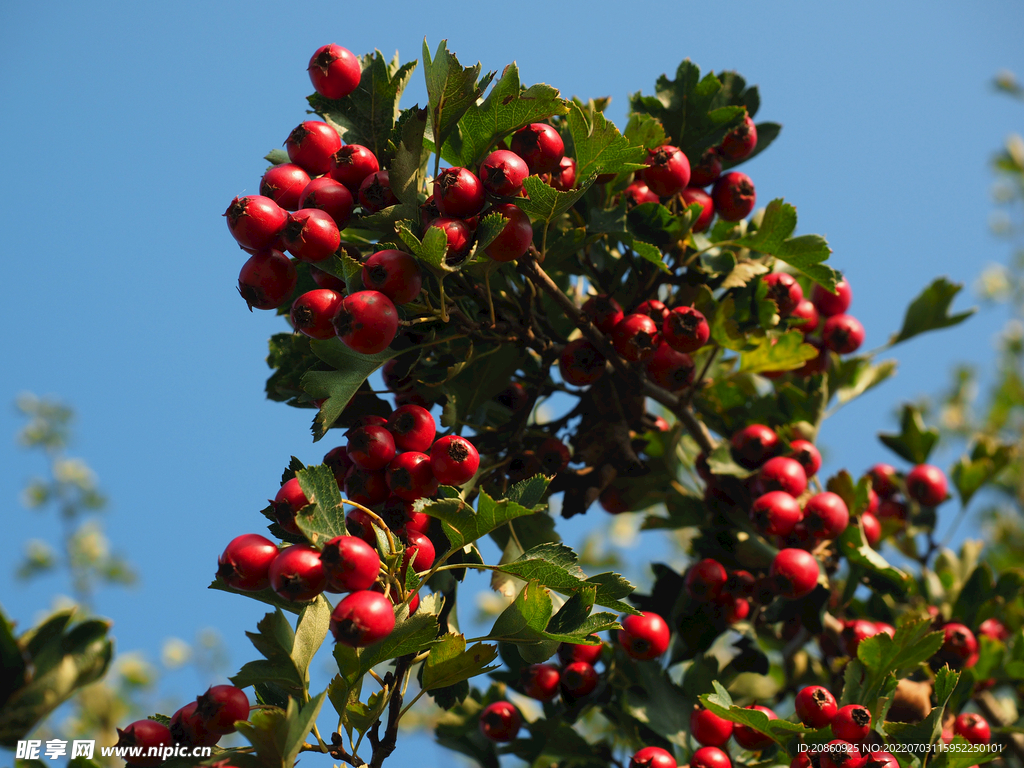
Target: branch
383, 747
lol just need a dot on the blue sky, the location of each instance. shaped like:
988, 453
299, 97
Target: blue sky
129, 127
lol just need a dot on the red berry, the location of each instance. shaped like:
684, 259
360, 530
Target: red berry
245, 562
706, 170
349, 564
734, 196
782, 474
852, 723
562, 178
856, 631
409, 476
326, 279
705, 579
654, 757
883, 479
366, 487
754, 445
883, 759
843, 334
750, 738
147, 734
396, 274
804, 316
638, 193
296, 573
696, 195
816, 706
581, 363
454, 460
540, 146
670, 369
572, 652
188, 728
514, 397
739, 142
842, 754
775, 513
329, 196
926, 484
255, 221
362, 618
959, 646
334, 71
635, 338
667, 171
973, 727
540, 681
221, 706
267, 279
554, 456
288, 501
872, 529
370, 447
709, 729
893, 509
654, 309
826, 515
367, 322
710, 757
352, 164
375, 192
579, 679
500, 721
458, 193
644, 637
829, 303
603, 311
502, 173
803, 760
686, 329
816, 364
611, 501
795, 572
419, 551
994, 629
808, 456
311, 145
311, 235
785, 291
412, 427
515, 238
458, 235
284, 185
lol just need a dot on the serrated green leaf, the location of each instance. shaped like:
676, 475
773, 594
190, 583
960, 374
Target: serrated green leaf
805, 253
431, 250
406, 173
854, 547
463, 526
856, 375
987, 459
545, 203
276, 157
489, 228
525, 620
452, 89
915, 441
721, 462
300, 723
930, 310
599, 147
324, 518
657, 702
645, 131
785, 352
449, 662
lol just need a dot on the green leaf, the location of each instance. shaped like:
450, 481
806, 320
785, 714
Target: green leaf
779, 731
854, 547
451, 88
721, 462
913, 644
645, 131
856, 375
367, 115
490, 227
286, 653
310, 633
525, 620
658, 702
655, 223
805, 253
300, 723
324, 518
463, 526
276, 157
431, 250
507, 107
766, 134
599, 147
449, 662
545, 203
976, 591
915, 441
987, 459
530, 492
928, 730
783, 353
406, 173
268, 596
930, 310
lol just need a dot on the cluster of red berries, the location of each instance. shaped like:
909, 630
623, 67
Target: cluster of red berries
890, 490
575, 679
200, 723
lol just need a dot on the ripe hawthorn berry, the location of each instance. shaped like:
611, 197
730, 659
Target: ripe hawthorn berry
554, 456
370, 447
843, 334
685, 329
808, 456
581, 363
751, 738
311, 235
284, 185
707, 169
667, 171
972, 727
828, 303
734, 196
362, 618
540, 681
639, 193
334, 71
221, 706
926, 484
352, 164
366, 322
644, 637
245, 562
458, 236
515, 237
331, 197
893, 508
579, 679
670, 369
296, 574
540, 147
635, 338
349, 564
697, 196
882, 759
739, 142
815, 706
653, 757
311, 145
409, 476
612, 501
804, 317
571, 652
854, 632
994, 629
412, 427
841, 754
884, 479
147, 734
360, 524
705, 579
255, 221
562, 178
502, 173
514, 397
267, 279
458, 193
375, 192
781, 473
795, 572
454, 460
500, 721
326, 279
775, 513
709, 729
851, 723
603, 311
753, 445
654, 309
188, 728
711, 757
785, 291
872, 529
394, 273
959, 646
817, 364
419, 552
826, 515
288, 501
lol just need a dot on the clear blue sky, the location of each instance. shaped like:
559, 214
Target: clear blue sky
128, 127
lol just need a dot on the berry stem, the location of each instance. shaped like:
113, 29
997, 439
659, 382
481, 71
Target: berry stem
376, 519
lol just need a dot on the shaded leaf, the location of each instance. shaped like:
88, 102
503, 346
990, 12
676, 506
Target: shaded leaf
930, 310
915, 441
